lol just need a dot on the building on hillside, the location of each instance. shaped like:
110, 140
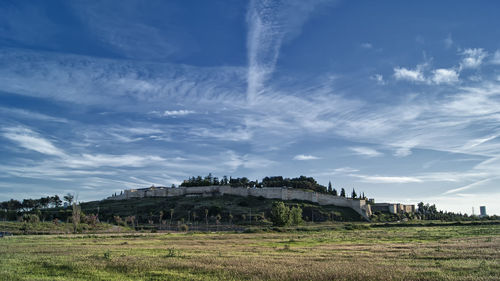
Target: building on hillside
393, 208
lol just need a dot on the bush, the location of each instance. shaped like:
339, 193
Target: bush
183, 227
172, 253
280, 214
107, 255
295, 216
31, 218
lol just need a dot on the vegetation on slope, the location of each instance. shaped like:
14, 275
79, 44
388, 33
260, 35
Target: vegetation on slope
228, 209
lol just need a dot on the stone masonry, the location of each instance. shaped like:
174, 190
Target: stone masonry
283, 193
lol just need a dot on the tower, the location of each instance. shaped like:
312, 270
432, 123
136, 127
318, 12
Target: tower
482, 211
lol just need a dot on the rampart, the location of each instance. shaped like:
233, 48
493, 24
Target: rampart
283, 193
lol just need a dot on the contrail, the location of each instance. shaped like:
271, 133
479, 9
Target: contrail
263, 42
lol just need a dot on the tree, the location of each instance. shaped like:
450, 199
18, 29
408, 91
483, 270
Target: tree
353, 194
295, 215
206, 218
171, 216
44, 202
14, 205
161, 216
28, 204
56, 201
334, 192
69, 198
330, 187
76, 216
280, 214
342, 192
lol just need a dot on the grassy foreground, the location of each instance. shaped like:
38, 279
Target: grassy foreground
470, 252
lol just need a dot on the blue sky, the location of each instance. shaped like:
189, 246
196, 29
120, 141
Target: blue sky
399, 100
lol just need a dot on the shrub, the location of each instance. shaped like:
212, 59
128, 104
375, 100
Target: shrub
280, 214
295, 216
172, 253
31, 218
183, 227
107, 255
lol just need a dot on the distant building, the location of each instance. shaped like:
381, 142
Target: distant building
482, 211
393, 208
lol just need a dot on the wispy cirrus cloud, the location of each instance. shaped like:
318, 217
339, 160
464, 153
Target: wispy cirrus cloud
366, 45
270, 24
304, 157
387, 179
365, 151
27, 114
31, 140
496, 57
181, 112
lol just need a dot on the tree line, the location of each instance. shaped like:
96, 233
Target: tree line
302, 182
430, 212
40, 203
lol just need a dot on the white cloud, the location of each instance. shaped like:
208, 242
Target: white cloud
181, 112
233, 161
366, 45
448, 42
444, 76
31, 140
238, 134
101, 160
269, 25
402, 152
473, 58
25, 114
414, 75
379, 78
303, 157
365, 151
475, 142
346, 170
496, 57
387, 179
142, 131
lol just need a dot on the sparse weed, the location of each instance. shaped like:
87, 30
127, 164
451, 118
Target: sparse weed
172, 253
107, 255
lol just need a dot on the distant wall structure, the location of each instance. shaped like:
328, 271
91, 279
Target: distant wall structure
282, 193
393, 208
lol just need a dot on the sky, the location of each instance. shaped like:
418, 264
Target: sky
396, 99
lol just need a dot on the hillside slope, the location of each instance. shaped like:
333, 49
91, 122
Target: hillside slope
230, 208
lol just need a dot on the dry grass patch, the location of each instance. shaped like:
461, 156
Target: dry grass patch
411, 253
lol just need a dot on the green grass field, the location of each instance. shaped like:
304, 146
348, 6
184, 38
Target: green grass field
465, 252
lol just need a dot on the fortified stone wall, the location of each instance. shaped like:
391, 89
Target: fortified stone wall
282, 193
394, 208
